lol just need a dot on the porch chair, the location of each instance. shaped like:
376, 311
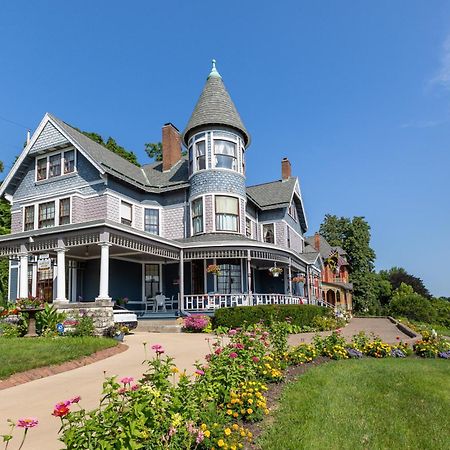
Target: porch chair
160, 301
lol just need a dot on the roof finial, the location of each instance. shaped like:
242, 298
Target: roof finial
214, 72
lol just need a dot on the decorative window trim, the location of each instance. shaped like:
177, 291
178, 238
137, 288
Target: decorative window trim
274, 232
202, 200
62, 172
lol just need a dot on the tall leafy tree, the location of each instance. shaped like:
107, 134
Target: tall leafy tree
154, 151
112, 145
5, 228
398, 275
353, 235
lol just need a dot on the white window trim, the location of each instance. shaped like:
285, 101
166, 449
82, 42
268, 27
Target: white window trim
203, 215
46, 156
252, 223
274, 232
159, 208
132, 213
217, 194
56, 200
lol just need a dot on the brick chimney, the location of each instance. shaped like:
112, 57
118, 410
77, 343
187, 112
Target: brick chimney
171, 146
285, 169
317, 241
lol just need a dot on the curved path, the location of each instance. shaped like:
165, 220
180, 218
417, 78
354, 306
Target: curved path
379, 326
37, 398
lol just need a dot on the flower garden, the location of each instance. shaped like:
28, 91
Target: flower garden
219, 405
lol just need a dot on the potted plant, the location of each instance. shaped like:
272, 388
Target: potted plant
298, 279
117, 332
214, 269
275, 271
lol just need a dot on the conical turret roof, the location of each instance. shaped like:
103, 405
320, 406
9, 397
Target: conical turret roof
215, 107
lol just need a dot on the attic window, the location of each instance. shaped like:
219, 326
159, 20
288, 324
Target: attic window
69, 161
41, 168
293, 211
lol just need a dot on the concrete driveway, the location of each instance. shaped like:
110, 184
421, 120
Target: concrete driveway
37, 398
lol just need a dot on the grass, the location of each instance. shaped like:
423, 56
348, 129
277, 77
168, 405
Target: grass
20, 354
365, 404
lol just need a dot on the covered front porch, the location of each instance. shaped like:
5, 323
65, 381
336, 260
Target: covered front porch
151, 275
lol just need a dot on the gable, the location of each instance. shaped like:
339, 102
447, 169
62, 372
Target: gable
48, 138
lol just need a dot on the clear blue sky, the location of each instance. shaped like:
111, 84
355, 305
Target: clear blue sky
356, 94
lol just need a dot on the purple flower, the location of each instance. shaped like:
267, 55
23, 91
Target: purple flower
233, 355
199, 372
29, 422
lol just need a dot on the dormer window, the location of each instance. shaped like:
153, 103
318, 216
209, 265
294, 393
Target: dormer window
41, 168
55, 166
293, 211
225, 154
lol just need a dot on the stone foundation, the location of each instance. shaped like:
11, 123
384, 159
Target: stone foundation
101, 312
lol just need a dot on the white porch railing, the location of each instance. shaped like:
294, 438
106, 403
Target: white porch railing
210, 302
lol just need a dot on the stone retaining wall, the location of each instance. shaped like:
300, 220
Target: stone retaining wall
101, 312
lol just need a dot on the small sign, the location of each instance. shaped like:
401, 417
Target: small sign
44, 256
60, 328
44, 264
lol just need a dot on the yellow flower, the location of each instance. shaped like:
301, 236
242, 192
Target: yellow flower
249, 411
227, 431
235, 426
235, 414
175, 369
203, 426
220, 443
207, 433
250, 401
229, 412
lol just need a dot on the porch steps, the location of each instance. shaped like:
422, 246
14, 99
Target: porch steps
159, 326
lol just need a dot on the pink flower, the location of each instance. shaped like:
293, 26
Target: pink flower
218, 351
135, 387
29, 422
199, 372
122, 390
61, 409
232, 332
172, 431
255, 359
75, 399
233, 355
200, 437
127, 380
158, 349
239, 346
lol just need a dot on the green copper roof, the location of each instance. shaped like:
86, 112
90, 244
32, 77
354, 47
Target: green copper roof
215, 107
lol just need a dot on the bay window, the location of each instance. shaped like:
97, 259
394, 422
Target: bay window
151, 220
46, 216
197, 216
227, 213
226, 154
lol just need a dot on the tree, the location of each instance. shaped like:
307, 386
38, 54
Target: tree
5, 228
407, 303
353, 235
397, 275
154, 150
112, 145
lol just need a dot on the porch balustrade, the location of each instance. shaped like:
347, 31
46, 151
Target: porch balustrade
210, 302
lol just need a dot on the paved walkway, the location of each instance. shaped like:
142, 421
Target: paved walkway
37, 398
378, 326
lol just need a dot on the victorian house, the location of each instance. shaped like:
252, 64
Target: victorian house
89, 225
336, 290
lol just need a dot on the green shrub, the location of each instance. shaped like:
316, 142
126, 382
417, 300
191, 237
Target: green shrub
84, 326
47, 320
300, 315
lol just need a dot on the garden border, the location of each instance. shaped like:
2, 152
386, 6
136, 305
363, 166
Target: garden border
412, 334
46, 371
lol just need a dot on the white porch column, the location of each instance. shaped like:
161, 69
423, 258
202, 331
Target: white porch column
290, 277
61, 275
181, 300
104, 271
23, 275
249, 276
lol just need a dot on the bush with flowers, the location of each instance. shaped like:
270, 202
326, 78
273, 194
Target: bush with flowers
333, 346
431, 346
248, 402
196, 323
301, 354
377, 349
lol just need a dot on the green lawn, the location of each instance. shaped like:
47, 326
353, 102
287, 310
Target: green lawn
19, 354
365, 404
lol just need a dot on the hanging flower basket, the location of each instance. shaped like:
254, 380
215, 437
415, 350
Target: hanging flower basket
275, 271
299, 279
214, 269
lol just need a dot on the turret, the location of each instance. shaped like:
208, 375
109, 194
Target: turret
216, 140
